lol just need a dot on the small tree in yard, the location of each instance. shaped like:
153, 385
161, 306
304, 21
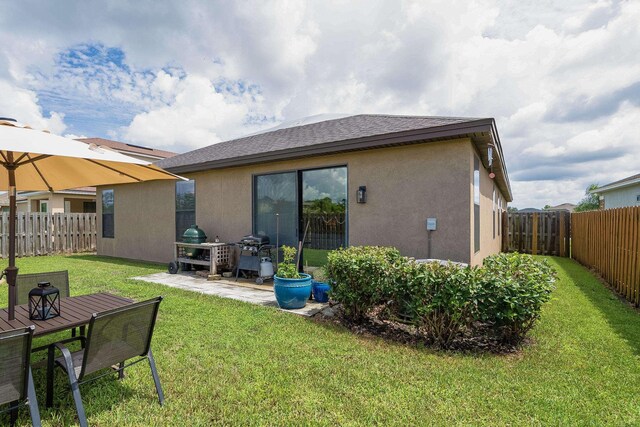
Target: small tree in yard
590, 202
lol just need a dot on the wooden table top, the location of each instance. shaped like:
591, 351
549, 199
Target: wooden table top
74, 312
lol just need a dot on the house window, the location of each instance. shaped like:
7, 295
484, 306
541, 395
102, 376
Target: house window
185, 207
43, 206
89, 207
476, 203
499, 213
494, 210
108, 226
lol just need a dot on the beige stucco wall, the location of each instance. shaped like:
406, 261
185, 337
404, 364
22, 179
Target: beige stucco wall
405, 186
489, 244
144, 221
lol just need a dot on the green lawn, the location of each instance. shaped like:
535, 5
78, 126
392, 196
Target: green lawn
227, 362
315, 257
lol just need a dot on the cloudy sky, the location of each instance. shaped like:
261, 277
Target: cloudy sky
562, 79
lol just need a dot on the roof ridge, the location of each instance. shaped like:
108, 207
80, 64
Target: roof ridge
267, 132
420, 117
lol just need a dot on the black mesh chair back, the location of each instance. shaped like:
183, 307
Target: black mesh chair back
16, 381
118, 335
15, 353
26, 282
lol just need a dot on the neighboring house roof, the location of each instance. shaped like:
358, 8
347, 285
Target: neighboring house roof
625, 182
358, 132
529, 210
23, 196
562, 207
88, 191
125, 148
4, 199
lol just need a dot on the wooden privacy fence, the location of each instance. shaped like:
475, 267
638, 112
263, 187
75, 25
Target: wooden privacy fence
609, 242
45, 233
537, 233
326, 231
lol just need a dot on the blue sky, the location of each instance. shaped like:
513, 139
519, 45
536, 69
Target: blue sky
562, 79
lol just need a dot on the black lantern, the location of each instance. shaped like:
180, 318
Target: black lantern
362, 194
44, 302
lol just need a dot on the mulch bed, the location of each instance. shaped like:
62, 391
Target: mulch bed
378, 325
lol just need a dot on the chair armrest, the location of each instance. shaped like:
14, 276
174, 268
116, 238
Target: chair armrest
72, 339
45, 347
68, 361
63, 349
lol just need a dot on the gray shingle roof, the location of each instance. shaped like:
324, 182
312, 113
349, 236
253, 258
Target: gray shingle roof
306, 136
618, 183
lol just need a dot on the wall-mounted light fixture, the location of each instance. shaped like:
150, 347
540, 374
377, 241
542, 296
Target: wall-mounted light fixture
490, 160
362, 194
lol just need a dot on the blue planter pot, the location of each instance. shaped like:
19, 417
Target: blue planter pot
321, 291
292, 293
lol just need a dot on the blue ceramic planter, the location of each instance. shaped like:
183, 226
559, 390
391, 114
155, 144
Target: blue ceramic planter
321, 291
292, 293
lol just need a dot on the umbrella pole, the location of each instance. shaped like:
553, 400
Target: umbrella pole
12, 271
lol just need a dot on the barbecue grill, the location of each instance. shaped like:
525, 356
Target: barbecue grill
255, 252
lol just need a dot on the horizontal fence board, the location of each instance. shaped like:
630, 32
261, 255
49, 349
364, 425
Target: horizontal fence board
608, 242
44, 233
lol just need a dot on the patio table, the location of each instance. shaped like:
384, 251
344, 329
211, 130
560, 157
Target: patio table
74, 312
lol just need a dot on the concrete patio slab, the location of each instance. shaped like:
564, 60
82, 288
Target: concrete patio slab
228, 289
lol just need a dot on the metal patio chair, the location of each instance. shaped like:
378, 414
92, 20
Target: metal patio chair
16, 381
59, 279
113, 337
26, 282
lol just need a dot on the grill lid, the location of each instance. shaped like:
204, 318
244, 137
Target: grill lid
258, 239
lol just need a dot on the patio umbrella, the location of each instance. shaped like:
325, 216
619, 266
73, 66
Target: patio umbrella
40, 161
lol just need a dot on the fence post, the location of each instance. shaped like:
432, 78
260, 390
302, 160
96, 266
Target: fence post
534, 235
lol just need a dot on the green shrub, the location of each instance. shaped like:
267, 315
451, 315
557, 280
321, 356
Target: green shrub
502, 299
511, 291
438, 298
360, 277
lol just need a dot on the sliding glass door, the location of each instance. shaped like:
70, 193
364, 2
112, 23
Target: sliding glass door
324, 208
275, 207
288, 204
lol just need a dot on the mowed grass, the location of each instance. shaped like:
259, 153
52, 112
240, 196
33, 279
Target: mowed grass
224, 362
315, 257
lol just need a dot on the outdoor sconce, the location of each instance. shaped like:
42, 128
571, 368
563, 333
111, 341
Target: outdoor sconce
44, 302
362, 194
490, 160
490, 154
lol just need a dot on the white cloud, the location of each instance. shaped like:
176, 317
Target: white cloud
558, 76
22, 105
197, 116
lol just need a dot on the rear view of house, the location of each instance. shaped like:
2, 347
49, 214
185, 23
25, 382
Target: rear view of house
434, 187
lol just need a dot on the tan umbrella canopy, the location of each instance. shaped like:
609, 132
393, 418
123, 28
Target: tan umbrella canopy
39, 161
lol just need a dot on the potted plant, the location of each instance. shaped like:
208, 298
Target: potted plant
320, 286
292, 288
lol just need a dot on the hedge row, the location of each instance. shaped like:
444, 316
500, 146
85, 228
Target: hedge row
503, 298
